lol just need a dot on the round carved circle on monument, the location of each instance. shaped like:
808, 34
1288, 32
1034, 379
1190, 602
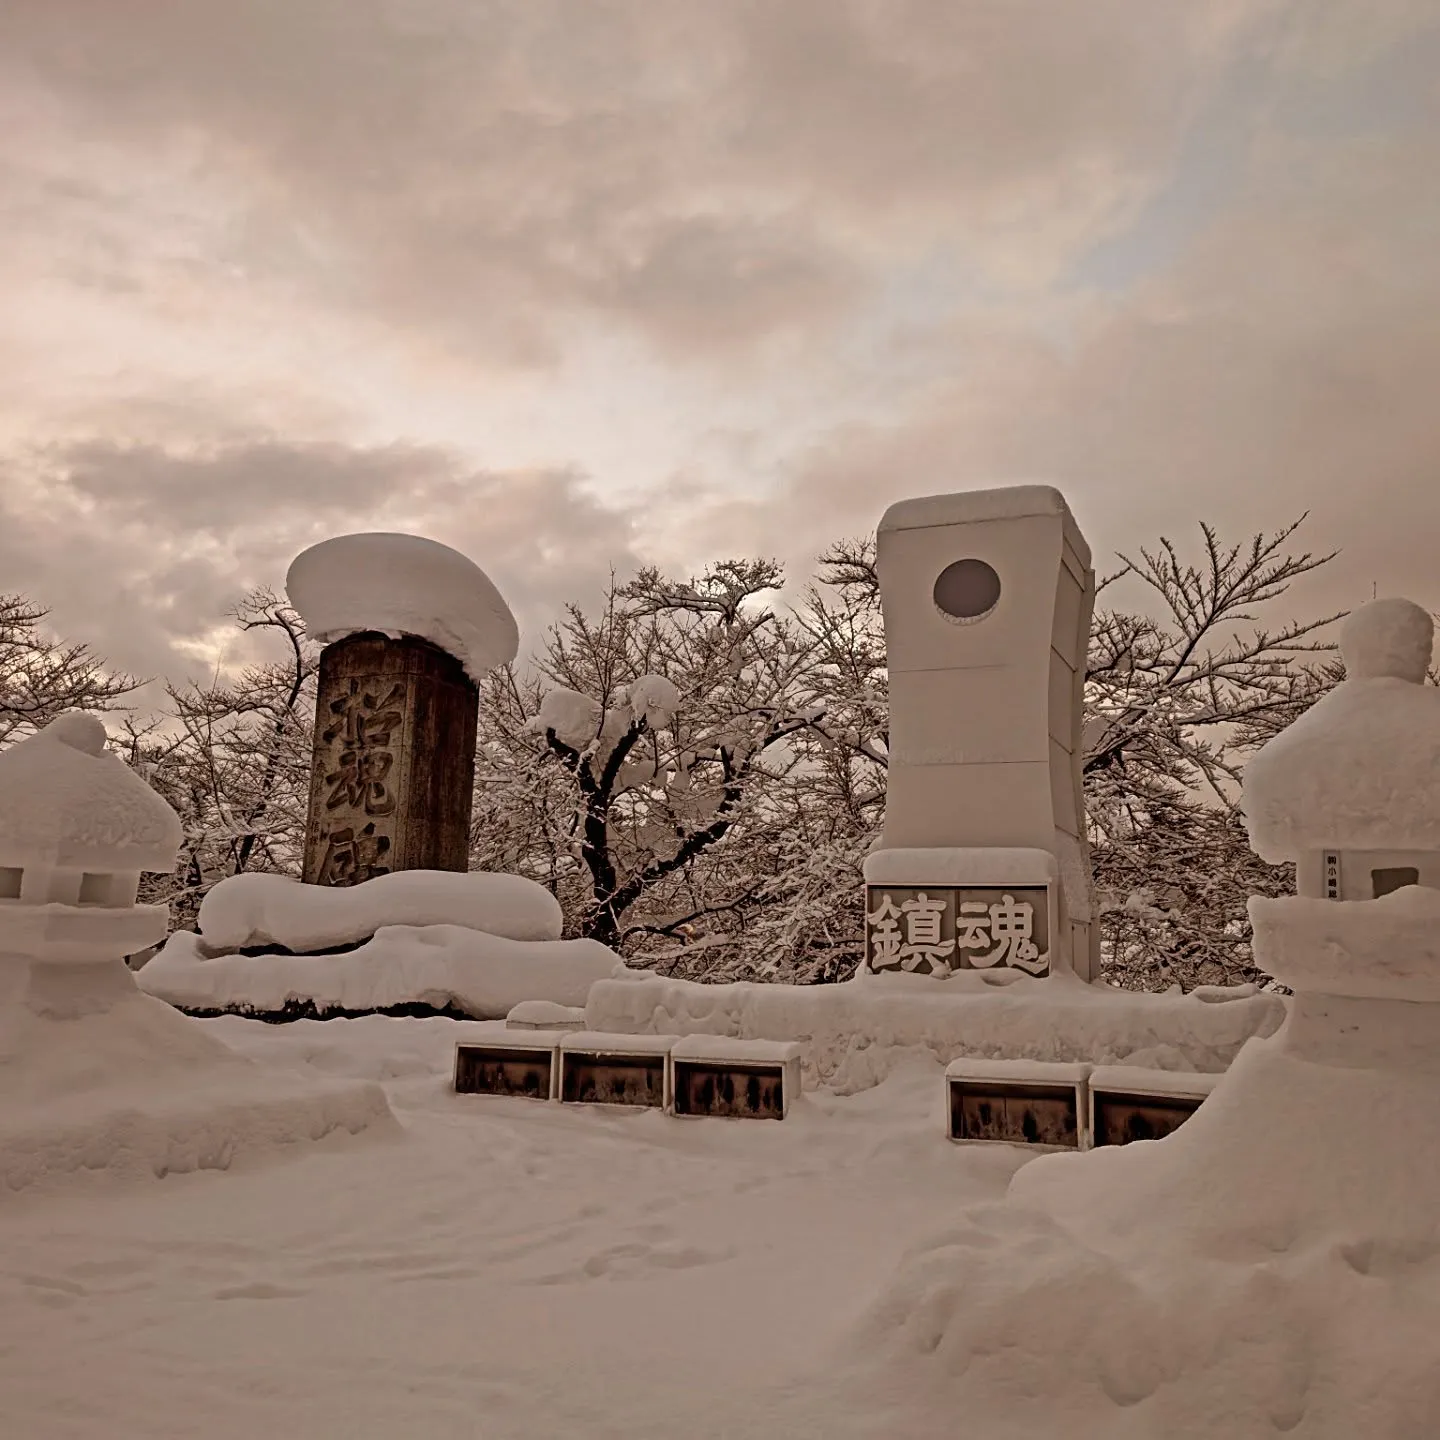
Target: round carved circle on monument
966, 591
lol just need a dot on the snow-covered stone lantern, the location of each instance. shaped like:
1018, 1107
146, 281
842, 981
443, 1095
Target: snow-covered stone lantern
409, 626
1351, 794
77, 826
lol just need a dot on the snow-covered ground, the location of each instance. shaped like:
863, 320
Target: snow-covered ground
501, 1268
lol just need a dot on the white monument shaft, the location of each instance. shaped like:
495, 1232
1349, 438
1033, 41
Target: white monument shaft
987, 600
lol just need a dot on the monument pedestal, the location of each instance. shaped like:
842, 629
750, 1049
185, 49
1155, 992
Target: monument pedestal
394, 761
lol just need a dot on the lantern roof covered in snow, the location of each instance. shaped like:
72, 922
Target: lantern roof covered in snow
403, 585
66, 801
1360, 770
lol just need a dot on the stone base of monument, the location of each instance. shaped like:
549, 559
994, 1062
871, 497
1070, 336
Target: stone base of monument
600, 1069
1022, 1102
750, 1079
1128, 1103
495, 1060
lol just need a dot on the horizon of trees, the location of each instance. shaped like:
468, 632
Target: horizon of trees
723, 837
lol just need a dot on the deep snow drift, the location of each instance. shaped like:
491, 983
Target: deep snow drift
95, 1076
855, 1033
477, 944
255, 910
444, 967
506, 1269
1271, 1267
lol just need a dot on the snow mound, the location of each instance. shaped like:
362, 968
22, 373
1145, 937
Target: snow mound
1360, 770
1388, 639
403, 585
653, 699
441, 966
1272, 1266
1385, 947
575, 718
95, 1076
252, 910
856, 1034
546, 1015
65, 801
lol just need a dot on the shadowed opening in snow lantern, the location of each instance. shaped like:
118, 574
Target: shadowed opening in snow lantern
505, 1070
1018, 1113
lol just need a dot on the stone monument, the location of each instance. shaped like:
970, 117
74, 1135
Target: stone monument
983, 862
409, 626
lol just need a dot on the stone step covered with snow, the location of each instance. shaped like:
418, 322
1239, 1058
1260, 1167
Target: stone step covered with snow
855, 1033
439, 967
248, 911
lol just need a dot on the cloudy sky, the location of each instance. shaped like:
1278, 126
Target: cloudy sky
582, 284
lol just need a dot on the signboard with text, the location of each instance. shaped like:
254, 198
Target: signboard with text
938, 929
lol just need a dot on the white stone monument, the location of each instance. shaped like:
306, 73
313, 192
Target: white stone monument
983, 863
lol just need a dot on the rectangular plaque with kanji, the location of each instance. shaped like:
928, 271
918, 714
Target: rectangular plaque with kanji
938, 929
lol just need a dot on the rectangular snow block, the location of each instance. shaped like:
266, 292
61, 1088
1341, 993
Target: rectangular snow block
492, 1060
1128, 1103
599, 1069
1020, 1102
747, 1079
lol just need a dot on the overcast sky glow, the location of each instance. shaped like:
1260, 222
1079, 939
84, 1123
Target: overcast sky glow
582, 284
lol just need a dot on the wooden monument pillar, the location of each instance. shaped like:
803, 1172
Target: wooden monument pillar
394, 761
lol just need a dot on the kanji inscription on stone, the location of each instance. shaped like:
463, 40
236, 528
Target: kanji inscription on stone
357, 786
353, 855
360, 730
393, 768
938, 929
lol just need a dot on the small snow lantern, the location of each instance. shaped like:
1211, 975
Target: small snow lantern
77, 826
1351, 791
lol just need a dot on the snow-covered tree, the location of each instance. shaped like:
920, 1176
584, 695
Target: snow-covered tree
1183, 685
42, 676
232, 756
639, 761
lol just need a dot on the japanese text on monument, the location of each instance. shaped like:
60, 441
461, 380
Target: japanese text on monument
940, 929
357, 791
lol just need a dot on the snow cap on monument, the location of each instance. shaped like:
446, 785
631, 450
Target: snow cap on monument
1360, 770
403, 585
66, 801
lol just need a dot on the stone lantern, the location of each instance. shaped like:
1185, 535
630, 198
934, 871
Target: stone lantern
77, 826
1351, 794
